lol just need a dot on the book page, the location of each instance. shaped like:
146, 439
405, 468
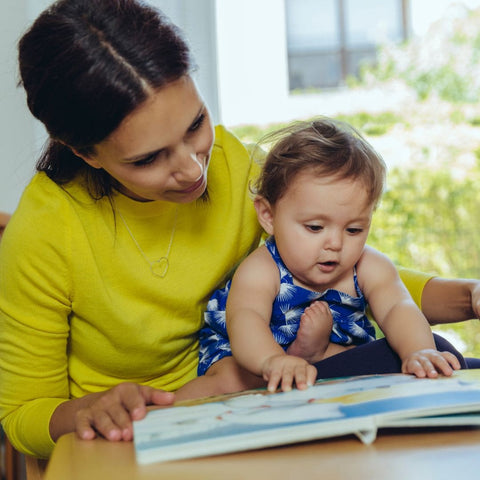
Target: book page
254, 419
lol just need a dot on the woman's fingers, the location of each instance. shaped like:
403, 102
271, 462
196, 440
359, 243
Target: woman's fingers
111, 414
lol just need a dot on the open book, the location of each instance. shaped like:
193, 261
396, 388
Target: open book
353, 405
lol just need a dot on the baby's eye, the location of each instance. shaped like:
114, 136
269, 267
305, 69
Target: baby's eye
354, 230
314, 228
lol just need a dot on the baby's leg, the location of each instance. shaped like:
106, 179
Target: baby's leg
313, 336
224, 376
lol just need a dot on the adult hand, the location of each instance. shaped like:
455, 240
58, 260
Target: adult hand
285, 370
475, 294
451, 300
429, 362
112, 412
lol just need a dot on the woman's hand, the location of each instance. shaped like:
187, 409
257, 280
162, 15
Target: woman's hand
111, 414
451, 300
429, 362
475, 293
108, 413
285, 370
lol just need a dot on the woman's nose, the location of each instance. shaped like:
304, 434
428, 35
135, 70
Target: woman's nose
201, 165
189, 166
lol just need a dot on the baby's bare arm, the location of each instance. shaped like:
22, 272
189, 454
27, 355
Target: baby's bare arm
405, 327
249, 307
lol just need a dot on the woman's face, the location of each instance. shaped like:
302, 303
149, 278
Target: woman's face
162, 149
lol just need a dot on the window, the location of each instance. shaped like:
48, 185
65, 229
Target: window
328, 40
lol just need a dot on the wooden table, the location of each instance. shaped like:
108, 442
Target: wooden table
395, 455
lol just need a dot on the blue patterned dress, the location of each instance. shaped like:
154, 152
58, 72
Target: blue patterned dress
350, 323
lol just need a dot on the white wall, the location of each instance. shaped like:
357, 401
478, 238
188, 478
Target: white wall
198, 21
252, 60
18, 133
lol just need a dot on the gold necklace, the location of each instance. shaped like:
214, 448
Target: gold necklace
159, 267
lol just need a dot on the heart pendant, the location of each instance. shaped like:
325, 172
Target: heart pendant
159, 267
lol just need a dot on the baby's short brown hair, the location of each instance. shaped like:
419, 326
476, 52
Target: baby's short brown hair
325, 146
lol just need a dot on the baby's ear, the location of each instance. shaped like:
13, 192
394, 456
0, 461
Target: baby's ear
264, 214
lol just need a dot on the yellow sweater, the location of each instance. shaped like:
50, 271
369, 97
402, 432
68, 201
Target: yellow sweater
80, 310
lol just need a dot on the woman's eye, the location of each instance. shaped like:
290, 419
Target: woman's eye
197, 123
146, 161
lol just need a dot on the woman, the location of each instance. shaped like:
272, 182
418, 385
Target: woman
118, 241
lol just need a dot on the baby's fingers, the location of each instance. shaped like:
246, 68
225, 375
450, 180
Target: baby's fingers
428, 363
446, 362
439, 363
289, 375
421, 367
274, 380
305, 376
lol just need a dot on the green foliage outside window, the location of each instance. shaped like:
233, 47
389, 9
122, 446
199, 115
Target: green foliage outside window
427, 220
444, 63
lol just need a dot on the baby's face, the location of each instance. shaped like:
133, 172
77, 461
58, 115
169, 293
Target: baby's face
320, 226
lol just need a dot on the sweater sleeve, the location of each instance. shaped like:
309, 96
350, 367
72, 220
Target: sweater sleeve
34, 309
415, 283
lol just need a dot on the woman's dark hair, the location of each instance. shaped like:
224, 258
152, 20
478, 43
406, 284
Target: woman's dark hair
85, 65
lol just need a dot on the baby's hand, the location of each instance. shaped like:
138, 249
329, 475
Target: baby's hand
285, 370
429, 362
